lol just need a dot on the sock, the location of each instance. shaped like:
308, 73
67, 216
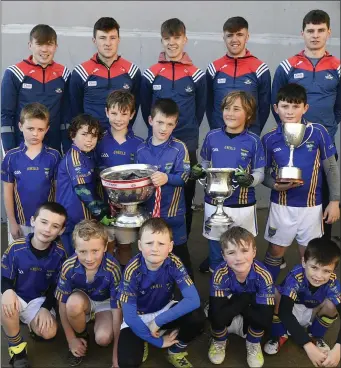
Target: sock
277, 327
320, 325
83, 334
219, 335
254, 335
273, 265
177, 348
14, 340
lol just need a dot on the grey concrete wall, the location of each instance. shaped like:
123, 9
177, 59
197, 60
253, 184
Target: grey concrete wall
274, 27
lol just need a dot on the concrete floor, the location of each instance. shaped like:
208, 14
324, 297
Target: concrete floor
53, 353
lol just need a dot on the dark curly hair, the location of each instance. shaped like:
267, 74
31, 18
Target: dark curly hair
85, 120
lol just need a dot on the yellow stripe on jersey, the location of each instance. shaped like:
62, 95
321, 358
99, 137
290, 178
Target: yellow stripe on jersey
86, 212
293, 295
123, 298
70, 262
299, 276
219, 275
175, 202
270, 301
186, 158
219, 293
128, 272
264, 273
15, 242
176, 260
21, 215
332, 276
75, 158
188, 281
311, 200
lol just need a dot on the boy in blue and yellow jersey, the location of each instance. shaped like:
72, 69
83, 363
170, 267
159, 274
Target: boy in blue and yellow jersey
87, 290
76, 180
296, 208
29, 274
29, 171
118, 147
171, 157
234, 146
242, 297
175, 76
119, 143
146, 293
310, 296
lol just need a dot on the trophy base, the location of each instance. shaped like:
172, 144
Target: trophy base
217, 224
123, 235
289, 174
131, 220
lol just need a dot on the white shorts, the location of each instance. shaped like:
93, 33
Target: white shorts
287, 223
149, 317
245, 217
95, 306
25, 230
303, 314
28, 311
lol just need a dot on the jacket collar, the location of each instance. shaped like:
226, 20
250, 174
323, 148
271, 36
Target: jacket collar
185, 60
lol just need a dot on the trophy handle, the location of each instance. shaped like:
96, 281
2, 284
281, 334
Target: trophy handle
311, 132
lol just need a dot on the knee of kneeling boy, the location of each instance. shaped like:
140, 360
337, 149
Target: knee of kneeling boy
103, 338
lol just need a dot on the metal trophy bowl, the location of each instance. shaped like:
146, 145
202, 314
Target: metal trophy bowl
219, 186
293, 135
128, 186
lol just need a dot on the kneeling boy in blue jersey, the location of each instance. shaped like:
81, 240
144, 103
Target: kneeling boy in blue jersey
296, 208
87, 289
242, 297
29, 274
171, 157
310, 297
146, 293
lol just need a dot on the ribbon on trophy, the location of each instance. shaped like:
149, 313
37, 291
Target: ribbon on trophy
157, 204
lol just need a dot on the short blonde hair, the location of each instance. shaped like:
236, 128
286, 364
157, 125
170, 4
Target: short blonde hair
248, 103
89, 229
34, 110
238, 236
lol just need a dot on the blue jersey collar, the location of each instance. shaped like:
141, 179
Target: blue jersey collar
143, 268
241, 133
23, 147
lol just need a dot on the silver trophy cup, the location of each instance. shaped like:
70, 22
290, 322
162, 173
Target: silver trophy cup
293, 135
219, 186
128, 186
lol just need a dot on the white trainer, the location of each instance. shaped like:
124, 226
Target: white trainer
217, 351
254, 352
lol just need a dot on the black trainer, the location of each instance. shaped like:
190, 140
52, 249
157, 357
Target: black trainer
20, 360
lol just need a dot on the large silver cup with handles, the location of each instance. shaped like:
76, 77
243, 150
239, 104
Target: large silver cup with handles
128, 186
219, 185
293, 135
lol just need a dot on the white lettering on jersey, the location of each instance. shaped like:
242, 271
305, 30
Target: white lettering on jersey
157, 87
92, 83
27, 85
298, 75
221, 80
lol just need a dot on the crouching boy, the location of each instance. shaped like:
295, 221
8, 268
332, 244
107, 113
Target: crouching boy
29, 274
146, 292
242, 297
309, 297
87, 290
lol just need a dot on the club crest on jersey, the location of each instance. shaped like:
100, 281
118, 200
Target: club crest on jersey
247, 81
47, 172
310, 146
126, 86
58, 90
298, 75
189, 89
168, 167
329, 76
271, 231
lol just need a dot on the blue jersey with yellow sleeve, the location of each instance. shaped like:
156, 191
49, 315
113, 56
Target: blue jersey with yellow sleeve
308, 157
111, 153
171, 157
103, 287
297, 287
32, 276
244, 150
224, 283
75, 168
29, 177
149, 290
